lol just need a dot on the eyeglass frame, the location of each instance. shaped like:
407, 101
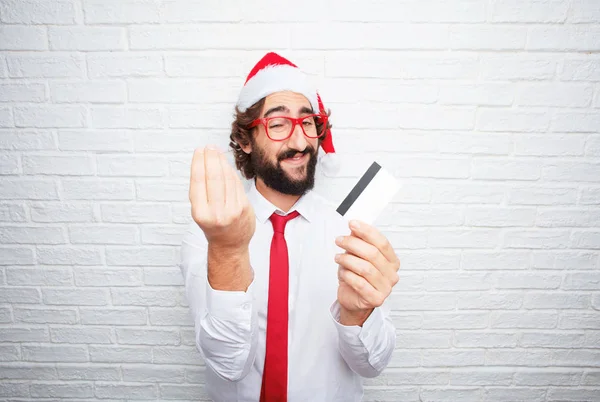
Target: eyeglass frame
295, 121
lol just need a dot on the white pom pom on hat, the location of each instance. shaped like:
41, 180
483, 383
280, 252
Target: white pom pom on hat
274, 73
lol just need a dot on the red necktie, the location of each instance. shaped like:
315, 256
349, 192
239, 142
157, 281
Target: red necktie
274, 381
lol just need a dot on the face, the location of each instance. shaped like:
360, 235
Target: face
286, 166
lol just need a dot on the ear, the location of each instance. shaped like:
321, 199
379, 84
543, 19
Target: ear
246, 148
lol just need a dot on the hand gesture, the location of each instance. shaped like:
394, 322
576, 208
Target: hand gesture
219, 204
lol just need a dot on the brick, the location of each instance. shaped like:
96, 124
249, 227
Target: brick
575, 358
129, 391
385, 65
538, 11
163, 276
578, 320
113, 316
69, 255
550, 145
452, 320
490, 301
563, 38
477, 37
483, 376
120, 354
560, 95
170, 316
125, 117
95, 372
162, 235
568, 218
5, 315
564, 260
572, 394
201, 116
493, 94
410, 282
90, 91
510, 120
76, 297
62, 390
336, 35
46, 276
430, 260
408, 394
591, 378
413, 142
582, 281
9, 164
589, 195
536, 239
529, 281
22, 92
31, 235
38, 12
176, 141
539, 339
467, 193
409, 239
50, 116
34, 65
153, 373
562, 300
135, 213
510, 67
107, 277
16, 256
86, 38
25, 371
531, 195
124, 64
95, 140
458, 358
19, 37
106, 234
144, 297
69, 212
177, 90
452, 281
571, 171
6, 117
459, 238
181, 213
97, 189
24, 334
147, 336
506, 394
54, 353
162, 190
176, 355
231, 65
407, 215
45, 316
501, 260
583, 11
483, 339
9, 353
575, 122
523, 320
58, 165
214, 36
114, 12
405, 301
109, 165
500, 217
26, 140
14, 389
592, 147
81, 335
586, 69
196, 375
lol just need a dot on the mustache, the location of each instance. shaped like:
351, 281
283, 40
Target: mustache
290, 153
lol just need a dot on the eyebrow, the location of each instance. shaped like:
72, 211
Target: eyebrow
282, 108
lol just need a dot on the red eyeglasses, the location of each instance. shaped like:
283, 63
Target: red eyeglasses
280, 128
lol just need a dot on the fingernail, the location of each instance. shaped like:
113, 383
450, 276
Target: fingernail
339, 240
354, 225
213, 147
337, 258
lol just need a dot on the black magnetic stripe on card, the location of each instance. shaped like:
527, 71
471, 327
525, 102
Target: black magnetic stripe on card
358, 188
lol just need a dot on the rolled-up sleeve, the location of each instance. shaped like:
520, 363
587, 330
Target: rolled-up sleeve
225, 322
368, 349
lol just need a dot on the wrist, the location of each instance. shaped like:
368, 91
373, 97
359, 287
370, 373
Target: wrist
229, 268
354, 317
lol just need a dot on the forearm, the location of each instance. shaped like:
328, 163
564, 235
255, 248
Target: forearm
229, 269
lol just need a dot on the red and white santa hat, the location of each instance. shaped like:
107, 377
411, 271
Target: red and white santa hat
274, 73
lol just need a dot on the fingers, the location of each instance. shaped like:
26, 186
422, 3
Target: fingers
231, 198
197, 192
362, 249
362, 287
373, 236
365, 269
215, 186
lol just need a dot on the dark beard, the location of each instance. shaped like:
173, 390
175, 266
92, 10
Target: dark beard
276, 178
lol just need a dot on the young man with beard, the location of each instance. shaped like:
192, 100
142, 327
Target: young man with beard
284, 307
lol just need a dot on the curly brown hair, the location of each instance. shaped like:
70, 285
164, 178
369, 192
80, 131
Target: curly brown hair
241, 135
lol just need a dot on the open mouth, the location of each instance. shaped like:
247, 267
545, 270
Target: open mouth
299, 159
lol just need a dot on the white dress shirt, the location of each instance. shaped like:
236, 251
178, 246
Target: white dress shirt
326, 360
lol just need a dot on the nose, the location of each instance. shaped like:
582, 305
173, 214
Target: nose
298, 140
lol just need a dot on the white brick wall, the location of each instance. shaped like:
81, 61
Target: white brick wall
487, 110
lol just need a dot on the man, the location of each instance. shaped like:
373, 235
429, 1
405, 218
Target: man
284, 307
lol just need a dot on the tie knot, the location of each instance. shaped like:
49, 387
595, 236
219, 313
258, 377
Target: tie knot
279, 221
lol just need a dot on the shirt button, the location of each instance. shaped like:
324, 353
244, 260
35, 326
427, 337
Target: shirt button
246, 306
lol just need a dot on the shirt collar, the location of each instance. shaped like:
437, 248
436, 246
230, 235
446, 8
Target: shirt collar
263, 208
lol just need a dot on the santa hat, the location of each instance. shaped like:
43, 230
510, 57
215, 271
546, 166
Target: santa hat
274, 73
